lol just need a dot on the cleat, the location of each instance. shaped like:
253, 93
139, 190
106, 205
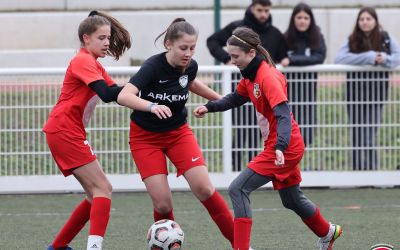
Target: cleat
326, 243
50, 247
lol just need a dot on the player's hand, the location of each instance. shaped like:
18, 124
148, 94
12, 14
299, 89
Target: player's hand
200, 111
161, 111
280, 159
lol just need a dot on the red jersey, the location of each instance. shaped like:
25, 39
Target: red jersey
77, 100
268, 90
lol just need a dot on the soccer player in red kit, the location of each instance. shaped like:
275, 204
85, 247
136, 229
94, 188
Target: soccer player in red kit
85, 81
266, 88
159, 127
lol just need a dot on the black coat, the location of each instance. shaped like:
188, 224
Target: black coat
302, 55
271, 38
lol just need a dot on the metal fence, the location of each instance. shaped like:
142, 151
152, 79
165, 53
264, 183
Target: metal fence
349, 117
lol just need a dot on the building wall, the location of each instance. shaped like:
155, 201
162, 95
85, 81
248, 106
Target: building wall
45, 39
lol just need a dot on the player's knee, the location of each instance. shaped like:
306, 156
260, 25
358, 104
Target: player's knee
233, 191
108, 187
103, 189
204, 192
288, 203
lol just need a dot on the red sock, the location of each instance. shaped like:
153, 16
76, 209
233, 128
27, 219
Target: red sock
242, 233
99, 216
317, 224
74, 225
219, 212
158, 216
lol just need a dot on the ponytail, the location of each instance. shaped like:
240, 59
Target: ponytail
120, 38
176, 29
266, 55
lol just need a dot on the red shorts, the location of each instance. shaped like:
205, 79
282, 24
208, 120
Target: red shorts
282, 176
150, 148
69, 152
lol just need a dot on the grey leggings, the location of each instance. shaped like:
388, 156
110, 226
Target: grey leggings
248, 181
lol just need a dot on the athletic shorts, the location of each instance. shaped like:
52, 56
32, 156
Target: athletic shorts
69, 152
149, 150
282, 176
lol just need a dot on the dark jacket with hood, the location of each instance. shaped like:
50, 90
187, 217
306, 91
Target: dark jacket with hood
302, 55
271, 38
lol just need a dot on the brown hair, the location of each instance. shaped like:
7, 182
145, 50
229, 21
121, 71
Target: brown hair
360, 42
176, 29
120, 38
247, 39
313, 30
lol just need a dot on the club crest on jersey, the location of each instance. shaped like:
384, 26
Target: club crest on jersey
256, 91
183, 80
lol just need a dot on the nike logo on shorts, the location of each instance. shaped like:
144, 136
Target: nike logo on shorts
195, 159
163, 81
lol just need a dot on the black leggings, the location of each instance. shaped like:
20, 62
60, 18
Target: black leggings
248, 181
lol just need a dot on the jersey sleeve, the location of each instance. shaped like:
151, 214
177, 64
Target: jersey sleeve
85, 69
273, 88
146, 75
107, 78
241, 88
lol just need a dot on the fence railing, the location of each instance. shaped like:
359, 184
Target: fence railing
349, 117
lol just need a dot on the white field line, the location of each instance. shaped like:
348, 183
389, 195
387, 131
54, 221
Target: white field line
255, 210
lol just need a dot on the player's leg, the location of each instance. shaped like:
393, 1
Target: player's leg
147, 150
160, 194
185, 154
74, 152
201, 186
93, 179
77, 220
293, 198
239, 192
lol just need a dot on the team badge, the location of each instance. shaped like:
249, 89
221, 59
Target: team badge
257, 92
382, 247
183, 80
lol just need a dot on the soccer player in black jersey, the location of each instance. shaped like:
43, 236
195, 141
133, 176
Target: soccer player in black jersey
158, 94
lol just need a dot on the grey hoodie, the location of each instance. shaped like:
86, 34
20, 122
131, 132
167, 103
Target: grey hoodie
344, 56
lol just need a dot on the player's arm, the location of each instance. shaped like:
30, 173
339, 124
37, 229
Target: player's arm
105, 92
229, 101
128, 97
199, 88
284, 125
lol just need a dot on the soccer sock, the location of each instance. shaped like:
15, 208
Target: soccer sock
99, 216
242, 233
74, 225
94, 242
219, 212
158, 216
317, 224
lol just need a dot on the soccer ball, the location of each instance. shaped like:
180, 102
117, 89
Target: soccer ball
165, 235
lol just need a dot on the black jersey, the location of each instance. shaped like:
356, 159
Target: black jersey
161, 83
